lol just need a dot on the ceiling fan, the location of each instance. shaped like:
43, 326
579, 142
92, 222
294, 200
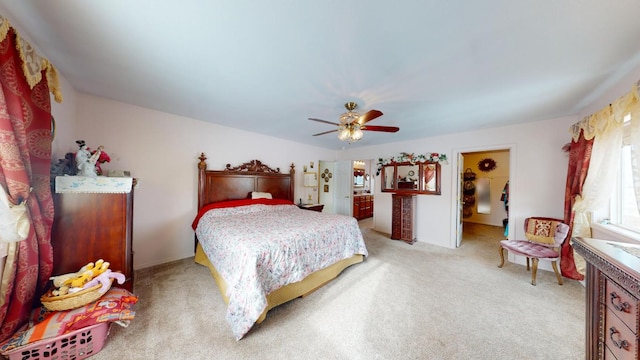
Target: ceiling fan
352, 124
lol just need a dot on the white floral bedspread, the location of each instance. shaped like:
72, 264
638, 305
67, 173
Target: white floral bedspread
260, 248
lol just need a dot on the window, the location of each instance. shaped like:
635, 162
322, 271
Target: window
624, 211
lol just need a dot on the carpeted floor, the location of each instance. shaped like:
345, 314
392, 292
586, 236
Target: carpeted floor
404, 302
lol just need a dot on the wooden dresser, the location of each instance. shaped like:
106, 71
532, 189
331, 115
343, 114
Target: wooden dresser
92, 226
403, 221
362, 206
613, 290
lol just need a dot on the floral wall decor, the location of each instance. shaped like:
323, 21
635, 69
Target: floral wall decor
412, 159
487, 165
326, 175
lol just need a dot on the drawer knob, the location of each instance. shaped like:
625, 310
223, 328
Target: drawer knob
618, 305
620, 344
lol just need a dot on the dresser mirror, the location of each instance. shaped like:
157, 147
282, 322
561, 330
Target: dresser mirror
421, 178
388, 176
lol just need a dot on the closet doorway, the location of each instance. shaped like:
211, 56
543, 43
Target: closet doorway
484, 193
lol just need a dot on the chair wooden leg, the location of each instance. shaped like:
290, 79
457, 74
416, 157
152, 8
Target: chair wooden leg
527, 263
533, 272
501, 250
555, 268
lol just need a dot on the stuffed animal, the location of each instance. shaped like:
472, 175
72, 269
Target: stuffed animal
105, 280
74, 282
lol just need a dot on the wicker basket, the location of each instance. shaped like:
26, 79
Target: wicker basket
72, 301
469, 175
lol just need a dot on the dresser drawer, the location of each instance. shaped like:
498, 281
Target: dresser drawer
608, 355
621, 303
618, 338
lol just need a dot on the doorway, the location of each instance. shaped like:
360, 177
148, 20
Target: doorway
363, 199
346, 187
335, 190
483, 193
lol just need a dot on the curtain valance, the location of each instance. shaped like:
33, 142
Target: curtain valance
32, 62
609, 117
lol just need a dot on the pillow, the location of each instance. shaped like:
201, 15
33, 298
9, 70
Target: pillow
541, 231
260, 195
234, 203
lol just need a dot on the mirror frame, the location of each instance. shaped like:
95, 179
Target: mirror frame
393, 167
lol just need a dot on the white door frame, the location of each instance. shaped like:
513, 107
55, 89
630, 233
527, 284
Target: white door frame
460, 201
343, 197
456, 192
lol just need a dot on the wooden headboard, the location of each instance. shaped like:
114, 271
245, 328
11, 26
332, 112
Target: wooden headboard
238, 182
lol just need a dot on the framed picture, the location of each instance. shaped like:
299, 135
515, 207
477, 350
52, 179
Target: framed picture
326, 188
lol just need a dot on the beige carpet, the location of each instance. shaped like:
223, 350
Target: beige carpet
404, 302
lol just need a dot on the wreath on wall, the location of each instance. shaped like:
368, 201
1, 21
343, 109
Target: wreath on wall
487, 165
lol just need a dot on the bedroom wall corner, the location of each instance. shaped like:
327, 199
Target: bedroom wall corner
161, 150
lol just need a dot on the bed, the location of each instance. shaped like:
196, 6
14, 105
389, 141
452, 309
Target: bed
309, 252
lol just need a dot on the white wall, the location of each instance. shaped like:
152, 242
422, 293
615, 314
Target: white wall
538, 175
162, 150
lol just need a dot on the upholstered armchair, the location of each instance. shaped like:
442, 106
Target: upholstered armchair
544, 237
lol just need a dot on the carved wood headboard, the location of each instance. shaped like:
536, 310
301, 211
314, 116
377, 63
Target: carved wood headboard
238, 182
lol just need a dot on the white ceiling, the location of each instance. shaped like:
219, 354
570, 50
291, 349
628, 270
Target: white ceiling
432, 66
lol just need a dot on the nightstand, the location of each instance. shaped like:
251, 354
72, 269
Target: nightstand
314, 207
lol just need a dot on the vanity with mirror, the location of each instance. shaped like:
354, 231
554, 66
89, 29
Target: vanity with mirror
362, 198
405, 177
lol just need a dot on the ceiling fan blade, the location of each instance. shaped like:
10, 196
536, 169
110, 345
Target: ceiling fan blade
381, 128
324, 121
326, 132
369, 115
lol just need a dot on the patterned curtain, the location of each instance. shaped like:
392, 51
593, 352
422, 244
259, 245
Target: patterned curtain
25, 160
579, 158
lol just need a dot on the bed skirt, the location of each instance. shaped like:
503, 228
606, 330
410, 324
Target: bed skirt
289, 292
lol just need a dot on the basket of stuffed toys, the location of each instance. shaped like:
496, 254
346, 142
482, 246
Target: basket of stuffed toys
75, 290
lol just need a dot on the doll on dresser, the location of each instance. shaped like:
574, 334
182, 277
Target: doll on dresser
86, 161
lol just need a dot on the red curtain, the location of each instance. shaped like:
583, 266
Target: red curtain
579, 158
25, 160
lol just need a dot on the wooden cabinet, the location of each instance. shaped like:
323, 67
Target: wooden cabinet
92, 226
613, 290
403, 218
362, 206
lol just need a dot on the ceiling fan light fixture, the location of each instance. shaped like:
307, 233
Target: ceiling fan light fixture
349, 117
351, 105
351, 125
356, 135
344, 133
350, 132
